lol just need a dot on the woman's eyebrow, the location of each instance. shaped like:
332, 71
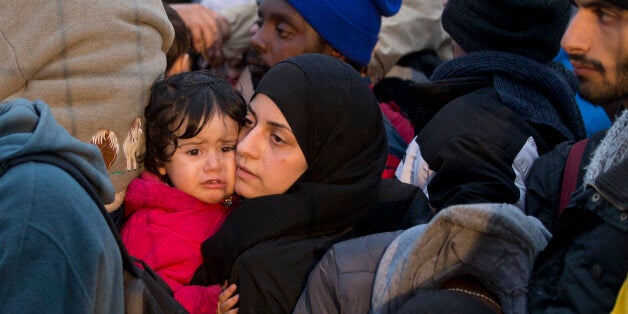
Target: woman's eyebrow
279, 125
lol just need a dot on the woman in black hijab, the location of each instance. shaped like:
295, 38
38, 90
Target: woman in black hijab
310, 159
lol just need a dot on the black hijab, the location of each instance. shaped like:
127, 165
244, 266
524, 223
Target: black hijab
338, 125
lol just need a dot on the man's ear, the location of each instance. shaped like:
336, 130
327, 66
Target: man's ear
336, 54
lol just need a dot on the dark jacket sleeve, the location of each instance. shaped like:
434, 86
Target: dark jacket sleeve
574, 273
544, 185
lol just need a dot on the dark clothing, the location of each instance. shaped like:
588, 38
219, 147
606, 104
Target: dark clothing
585, 263
482, 123
541, 94
399, 206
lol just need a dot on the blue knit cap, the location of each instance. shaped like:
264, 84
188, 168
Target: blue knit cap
350, 26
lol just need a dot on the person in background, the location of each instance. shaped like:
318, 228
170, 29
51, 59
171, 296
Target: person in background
347, 30
416, 27
58, 253
494, 108
579, 191
186, 191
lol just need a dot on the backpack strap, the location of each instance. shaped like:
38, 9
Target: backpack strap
570, 175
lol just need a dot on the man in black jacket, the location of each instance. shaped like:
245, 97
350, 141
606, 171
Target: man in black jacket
493, 109
586, 262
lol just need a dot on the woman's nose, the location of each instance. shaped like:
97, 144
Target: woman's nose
247, 144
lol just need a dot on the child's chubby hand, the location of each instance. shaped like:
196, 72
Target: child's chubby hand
227, 301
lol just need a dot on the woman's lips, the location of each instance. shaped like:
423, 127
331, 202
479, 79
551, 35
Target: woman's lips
244, 173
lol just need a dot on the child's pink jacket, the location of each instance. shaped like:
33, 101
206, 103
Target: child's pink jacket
165, 227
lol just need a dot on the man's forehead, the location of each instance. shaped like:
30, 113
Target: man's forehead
279, 10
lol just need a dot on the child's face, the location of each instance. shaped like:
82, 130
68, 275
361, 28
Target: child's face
204, 166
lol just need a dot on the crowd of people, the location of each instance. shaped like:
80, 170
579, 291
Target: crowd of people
293, 156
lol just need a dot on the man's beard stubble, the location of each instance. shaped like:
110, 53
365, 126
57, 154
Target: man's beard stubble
604, 92
256, 66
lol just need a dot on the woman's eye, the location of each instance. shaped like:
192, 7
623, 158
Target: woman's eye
194, 152
277, 139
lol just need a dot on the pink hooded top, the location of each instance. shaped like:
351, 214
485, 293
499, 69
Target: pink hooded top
165, 227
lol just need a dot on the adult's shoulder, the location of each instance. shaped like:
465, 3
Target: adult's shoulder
53, 231
45, 197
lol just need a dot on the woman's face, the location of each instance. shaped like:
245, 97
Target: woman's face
268, 157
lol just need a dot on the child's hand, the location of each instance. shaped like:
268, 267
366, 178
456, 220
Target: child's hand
227, 301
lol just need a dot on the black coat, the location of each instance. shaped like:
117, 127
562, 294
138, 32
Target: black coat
586, 261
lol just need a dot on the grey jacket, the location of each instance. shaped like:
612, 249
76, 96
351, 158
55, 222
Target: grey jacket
496, 243
343, 280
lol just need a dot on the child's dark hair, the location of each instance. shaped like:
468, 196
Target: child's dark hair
190, 100
182, 41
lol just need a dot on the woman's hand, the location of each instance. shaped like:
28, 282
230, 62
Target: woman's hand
227, 301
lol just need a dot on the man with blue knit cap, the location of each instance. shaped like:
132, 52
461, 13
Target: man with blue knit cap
344, 29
